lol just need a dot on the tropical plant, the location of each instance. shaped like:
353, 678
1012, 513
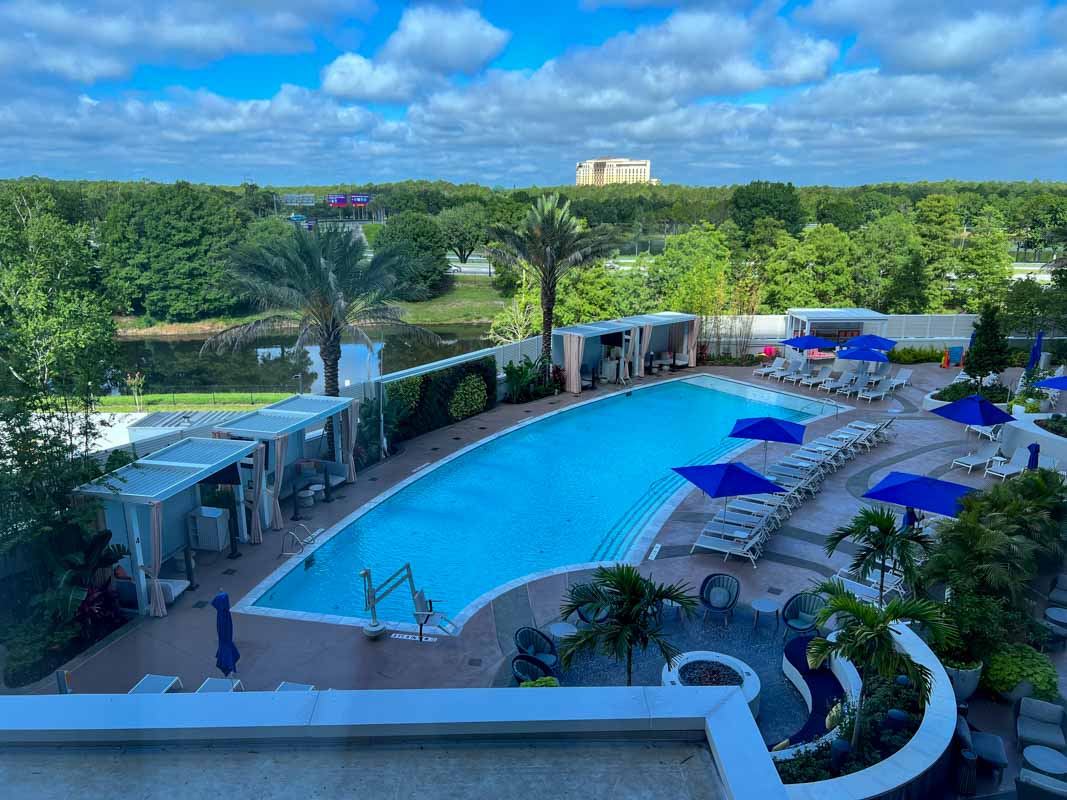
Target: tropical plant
1012, 663
469, 398
549, 242
318, 286
520, 378
864, 636
629, 606
881, 544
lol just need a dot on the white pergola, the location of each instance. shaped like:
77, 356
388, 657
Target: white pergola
836, 324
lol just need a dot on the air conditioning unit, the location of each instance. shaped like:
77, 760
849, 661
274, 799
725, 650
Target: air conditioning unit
209, 528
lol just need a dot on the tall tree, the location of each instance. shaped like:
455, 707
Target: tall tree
420, 251
550, 242
464, 228
318, 287
989, 353
984, 270
761, 199
864, 636
890, 274
938, 226
816, 270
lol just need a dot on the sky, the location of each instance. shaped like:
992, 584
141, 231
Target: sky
509, 93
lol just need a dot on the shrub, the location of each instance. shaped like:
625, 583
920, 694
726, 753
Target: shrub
541, 683
36, 649
916, 355
746, 360
468, 399
433, 410
403, 396
982, 625
996, 393
1056, 424
1013, 663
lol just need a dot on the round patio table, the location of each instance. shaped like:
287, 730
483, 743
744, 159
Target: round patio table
1057, 615
561, 630
764, 605
1045, 759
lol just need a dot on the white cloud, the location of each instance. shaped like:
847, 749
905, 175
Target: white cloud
357, 78
444, 41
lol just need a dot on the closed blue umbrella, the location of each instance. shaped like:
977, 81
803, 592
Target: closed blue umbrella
808, 342
1035, 455
919, 491
973, 410
227, 655
1035, 351
768, 429
872, 341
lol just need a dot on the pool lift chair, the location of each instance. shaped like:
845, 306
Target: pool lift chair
424, 611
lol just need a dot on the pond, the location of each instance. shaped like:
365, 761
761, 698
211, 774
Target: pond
172, 364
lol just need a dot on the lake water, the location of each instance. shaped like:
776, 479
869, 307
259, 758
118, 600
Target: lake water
171, 364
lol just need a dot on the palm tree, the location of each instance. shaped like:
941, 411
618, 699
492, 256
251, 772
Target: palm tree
865, 637
982, 552
318, 286
880, 543
549, 242
629, 605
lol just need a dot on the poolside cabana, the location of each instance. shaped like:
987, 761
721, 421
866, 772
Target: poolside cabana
147, 505
836, 324
294, 431
619, 349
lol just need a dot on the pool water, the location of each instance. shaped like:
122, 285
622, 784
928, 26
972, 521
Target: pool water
573, 487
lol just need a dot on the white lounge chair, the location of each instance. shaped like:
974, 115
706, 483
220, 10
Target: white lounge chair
990, 432
729, 547
821, 376
781, 372
763, 372
979, 459
220, 685
902, 378
801, 372
290, 686
852, 386
1006, 469
157, 684
846, 379
876, 391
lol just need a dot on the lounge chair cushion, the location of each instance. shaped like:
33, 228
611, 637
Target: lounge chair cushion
804, 620
1030, 731
1039, 780
1058, 597
1041, 711
990, 749
718, 597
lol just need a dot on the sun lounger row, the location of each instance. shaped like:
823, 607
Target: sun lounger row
990, 459
744, 525
866, 386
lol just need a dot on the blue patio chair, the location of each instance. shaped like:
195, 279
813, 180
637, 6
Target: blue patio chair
531, 642
528, 668
800, 612
718, 595
589, 616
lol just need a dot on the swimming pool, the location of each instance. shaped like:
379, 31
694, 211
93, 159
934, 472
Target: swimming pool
572, 487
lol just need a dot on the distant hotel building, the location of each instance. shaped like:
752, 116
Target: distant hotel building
602, 171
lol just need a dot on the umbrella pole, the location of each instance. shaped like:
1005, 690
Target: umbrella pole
764, 456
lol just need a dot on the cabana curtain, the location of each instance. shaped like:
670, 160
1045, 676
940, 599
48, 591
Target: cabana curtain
629, 355
646, 344
694, 337
677, 335
279, 475
259, 455
573, 349
158, 606
349, 419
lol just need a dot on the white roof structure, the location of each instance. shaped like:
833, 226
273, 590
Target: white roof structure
837, 314
590, 329
169, 471
286, 416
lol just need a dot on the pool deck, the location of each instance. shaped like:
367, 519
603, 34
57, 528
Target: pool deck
331, 656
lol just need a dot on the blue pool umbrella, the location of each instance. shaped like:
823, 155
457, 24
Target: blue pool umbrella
1059, 382
973, 410
1035, 351
227, 655
768, 429
1035, 454
863, 354
808, 342
918, 491
728, 480
872, 341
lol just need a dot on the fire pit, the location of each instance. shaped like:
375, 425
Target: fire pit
707, 668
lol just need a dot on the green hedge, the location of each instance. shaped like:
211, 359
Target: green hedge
916, 355
998, 393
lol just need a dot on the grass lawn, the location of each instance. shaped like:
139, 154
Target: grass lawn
185, 401
472, 298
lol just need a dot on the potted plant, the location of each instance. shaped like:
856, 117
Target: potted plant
1018, 670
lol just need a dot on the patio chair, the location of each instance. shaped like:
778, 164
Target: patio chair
979, 459
798, 374
846, 379
900, 379
292, 686
157, 684
751, 548
763, 372
220, 685
990, 432
588, 615
1038, 722
821, 376
987, 746
786, 369
528, 668
718, 595
852, 387
1007, 469
1034, 785
531, 642
800, 612
876, 391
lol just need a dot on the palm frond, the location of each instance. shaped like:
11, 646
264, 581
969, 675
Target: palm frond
237, 337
